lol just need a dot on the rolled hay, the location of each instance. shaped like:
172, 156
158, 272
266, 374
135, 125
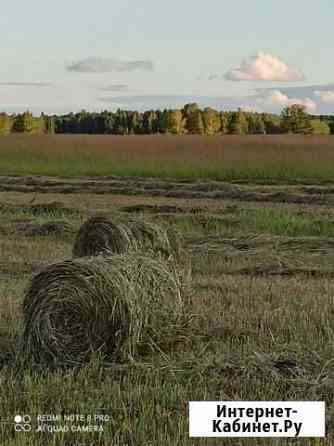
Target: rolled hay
100, 235
113, 306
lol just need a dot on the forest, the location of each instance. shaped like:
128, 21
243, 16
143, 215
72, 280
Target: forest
191, 119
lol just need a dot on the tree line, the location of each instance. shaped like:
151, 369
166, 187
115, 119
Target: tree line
191, 119
26, 123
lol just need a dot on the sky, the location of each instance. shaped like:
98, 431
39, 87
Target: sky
261, 55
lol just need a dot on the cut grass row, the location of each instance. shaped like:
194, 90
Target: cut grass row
236, 220
265, 221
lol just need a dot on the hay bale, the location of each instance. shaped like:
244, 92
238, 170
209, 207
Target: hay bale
109, 305
100, 234
147, 235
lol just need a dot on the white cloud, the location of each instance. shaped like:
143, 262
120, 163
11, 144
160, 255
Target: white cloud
264, 67
250, 108
277, 98
270, 101
25, 84
106, 65
327, 97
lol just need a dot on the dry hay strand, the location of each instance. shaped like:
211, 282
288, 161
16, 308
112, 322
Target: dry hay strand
54, 208
50, 228
112, 306
99, 235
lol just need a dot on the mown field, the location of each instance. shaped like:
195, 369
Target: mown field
262, 305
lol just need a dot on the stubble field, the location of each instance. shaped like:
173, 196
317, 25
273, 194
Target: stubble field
258, 225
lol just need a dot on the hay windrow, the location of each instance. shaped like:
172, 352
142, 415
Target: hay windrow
108, 305
100, 234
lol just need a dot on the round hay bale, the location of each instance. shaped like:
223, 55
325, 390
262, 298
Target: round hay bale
147, 235
107, 305
101, 235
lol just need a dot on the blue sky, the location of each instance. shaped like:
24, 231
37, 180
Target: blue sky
261, 55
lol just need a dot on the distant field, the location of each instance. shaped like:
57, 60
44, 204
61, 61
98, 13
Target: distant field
259, 158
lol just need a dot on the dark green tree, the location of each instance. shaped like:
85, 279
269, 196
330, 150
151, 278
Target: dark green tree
24, 123
256, 124
150, 122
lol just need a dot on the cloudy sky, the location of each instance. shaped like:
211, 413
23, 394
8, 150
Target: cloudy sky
259, 55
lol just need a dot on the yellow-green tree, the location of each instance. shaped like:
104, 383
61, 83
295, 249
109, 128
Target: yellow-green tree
175, 123
295, 119
195, 124
38, 126
190, 108
211, 121
194, 119
224, 122
238, 123
320, 127
5, 124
